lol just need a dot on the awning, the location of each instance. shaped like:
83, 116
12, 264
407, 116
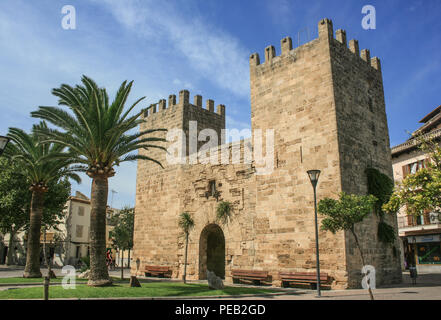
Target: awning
425, 238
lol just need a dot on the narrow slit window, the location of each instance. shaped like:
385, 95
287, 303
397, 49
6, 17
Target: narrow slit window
212, 188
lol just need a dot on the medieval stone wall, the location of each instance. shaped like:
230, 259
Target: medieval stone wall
363, 142
293, 94
326, 106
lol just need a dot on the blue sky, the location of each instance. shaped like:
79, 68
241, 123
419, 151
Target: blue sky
203, 46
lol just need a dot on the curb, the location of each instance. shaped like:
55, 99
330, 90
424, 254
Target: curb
22, 284
174, 297
25, 284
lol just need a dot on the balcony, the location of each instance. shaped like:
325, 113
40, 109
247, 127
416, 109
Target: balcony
413, 143
430, 221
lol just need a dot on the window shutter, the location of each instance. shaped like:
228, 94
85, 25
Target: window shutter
426, 162
410, 220
406, 170
427, 217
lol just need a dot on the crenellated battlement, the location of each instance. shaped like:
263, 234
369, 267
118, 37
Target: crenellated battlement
326, 33
184, 99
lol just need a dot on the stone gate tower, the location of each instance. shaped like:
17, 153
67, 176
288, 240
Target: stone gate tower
325, 102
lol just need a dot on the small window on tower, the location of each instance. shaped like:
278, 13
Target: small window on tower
212, 188
371, 104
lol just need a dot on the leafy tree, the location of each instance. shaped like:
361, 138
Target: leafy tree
97, 133
15, 198
345, 213
186, 223
41, 164
420, 191
122, 233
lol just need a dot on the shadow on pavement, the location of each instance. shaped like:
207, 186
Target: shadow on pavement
423, 280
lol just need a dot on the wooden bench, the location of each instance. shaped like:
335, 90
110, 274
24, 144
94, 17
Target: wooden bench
255, 276
304, 278
158, 271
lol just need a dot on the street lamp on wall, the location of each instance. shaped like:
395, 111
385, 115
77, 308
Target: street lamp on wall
314, 176
3, 143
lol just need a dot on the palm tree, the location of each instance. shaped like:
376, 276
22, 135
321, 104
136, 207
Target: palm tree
41, 164
223, 211
186, 223
98, 132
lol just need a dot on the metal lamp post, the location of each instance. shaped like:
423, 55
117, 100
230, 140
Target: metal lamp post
3, 143
314, 176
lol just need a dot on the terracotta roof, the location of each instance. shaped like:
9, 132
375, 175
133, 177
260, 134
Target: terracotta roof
430, 124
422, 232
431, 115
411, 144
79, 200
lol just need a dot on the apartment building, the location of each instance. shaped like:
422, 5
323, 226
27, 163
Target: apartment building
420, 236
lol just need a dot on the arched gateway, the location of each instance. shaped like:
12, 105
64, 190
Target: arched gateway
212, 251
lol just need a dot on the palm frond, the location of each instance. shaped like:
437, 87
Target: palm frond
133, 157
40, 162
94, 130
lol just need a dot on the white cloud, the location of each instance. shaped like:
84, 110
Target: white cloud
156, 46
235, 124
216, 55
183, 84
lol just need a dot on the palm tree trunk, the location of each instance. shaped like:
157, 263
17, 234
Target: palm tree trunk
185, 258
32, 268
362, 261
47, 278
11, 248
128, 260
99, 275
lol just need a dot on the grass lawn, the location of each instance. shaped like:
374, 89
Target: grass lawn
59, 279
152, 289
20, 280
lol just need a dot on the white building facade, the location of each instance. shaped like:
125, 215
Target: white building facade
420, 236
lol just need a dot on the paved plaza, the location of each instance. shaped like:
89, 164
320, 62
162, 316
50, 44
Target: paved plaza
17, 271
427, 287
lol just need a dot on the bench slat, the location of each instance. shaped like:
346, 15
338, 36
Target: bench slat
303, 275
254, 273
249, 275
157, 268
304, 278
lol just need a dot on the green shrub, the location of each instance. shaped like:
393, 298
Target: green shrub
386, 233
223, 211
85, 264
